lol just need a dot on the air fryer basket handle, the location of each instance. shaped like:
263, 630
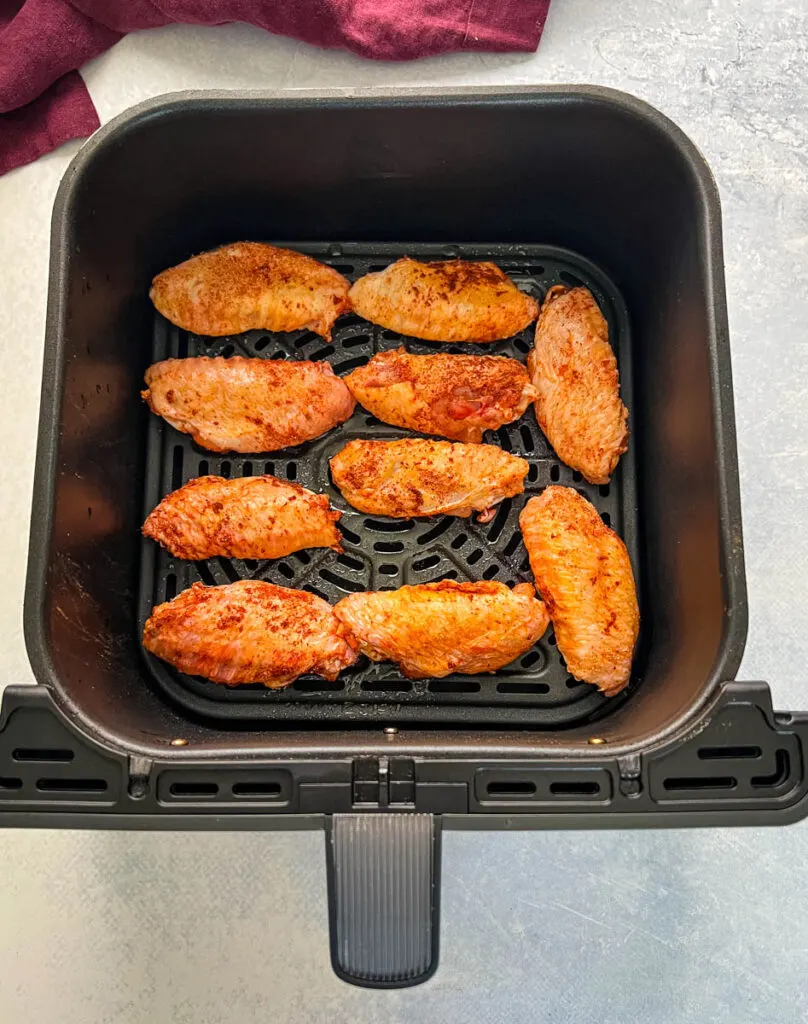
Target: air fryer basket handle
383, 897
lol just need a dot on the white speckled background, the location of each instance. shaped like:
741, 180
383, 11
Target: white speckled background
680, 927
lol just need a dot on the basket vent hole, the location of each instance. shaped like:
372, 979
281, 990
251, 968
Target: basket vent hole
453, 686
355, 586
573, 683
526, 688
551, 638
387, 686
505, 439
459, 541
348, 535
388, 569
228, 569
269, 468
576, 476
9, 785
176, 467
262, 343
250, 564
319, 685
395, 526
491, 572
322, 353
513, 788
555, 473
513, 544
205, 574
782, 768
279, 355
291, 471
58, 754
171, 586
285, 570
498, 523
475, 556
718, 753
182, 344
227, 351
532, 473
607, 519
71, 785
574, 788
194, 789
351, 563
204, 467
698, 782
603, 490
226, 468
422, 564
530, 659
360, 339
304, 557
264, 789
388, 547
247, 469
440, 528
527, 437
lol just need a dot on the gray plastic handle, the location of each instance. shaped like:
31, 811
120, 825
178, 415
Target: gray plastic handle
383, 897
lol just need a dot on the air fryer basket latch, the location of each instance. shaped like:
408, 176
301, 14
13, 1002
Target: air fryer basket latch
383, 782
383, 897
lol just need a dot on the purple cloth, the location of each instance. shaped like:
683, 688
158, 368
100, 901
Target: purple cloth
44, 102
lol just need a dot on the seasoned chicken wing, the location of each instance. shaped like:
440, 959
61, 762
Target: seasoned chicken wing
453, 300
455, 396
248, 286
416, 477
251, 517
249, 632
247, 405
573, 367
583, 572
435, 629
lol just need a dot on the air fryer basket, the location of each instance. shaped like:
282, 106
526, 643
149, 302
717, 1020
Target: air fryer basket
383, 553
549, 182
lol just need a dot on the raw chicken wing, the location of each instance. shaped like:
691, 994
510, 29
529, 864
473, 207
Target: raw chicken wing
453, 300
455, 396
583, 572
573, 367
435, 629
247, 405
249, 632
250, 517
416, 477
248, 286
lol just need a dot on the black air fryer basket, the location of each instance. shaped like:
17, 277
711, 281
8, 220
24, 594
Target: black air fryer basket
575, 185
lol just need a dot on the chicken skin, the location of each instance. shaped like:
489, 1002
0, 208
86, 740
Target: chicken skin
251, 517
249, 632
583, 572
435, 629
574, 370
453, 301
247, 405
249, 286
455, 396
416, 477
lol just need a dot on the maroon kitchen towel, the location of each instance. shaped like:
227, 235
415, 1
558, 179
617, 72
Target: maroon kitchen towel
44, 102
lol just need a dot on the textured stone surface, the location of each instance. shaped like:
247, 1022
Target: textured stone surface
699, 926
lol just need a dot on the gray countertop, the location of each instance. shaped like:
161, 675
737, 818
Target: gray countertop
610, 927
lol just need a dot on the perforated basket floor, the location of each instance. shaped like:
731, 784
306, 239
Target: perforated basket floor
382, 554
